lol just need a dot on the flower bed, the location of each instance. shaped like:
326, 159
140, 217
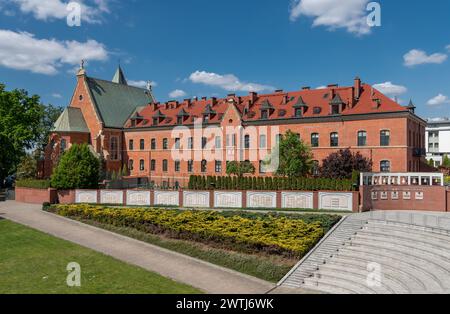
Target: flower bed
281, 235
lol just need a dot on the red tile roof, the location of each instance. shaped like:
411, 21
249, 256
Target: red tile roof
283, 105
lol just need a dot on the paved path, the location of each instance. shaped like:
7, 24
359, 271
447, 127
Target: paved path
202, 275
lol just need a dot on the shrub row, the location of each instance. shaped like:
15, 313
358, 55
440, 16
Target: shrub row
271, 234
33, 184
267, 183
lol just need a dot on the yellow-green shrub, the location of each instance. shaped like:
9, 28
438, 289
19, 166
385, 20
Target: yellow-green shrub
274, 235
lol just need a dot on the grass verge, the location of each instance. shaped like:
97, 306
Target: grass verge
32, 262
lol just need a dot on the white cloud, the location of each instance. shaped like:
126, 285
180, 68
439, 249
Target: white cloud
56, 9
22, 51
390, 89
416, 57
177, 93
141, 84
228, 82
56, 95
348, 14
439, 100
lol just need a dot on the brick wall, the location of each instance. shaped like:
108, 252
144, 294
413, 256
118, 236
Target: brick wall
36, 196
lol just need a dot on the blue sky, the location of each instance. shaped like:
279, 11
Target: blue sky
212, 48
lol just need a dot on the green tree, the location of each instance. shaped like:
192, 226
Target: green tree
27, 168
295, 157
20, 124
446, 161
50, 115
78, 168
240, 168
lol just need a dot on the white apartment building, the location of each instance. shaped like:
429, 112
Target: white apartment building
437, 139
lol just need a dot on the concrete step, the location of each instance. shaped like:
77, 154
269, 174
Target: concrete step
339, 281
412, 277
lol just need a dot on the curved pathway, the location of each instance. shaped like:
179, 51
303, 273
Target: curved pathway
202, 275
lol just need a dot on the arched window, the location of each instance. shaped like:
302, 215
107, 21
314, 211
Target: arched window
362, 138
334, 139
153, 144
165, 143
141, 165
385, 138
142, 144
204, 165
262, 141
315, 140
131, 164
114, 148
165, 165
385, 166
153, 165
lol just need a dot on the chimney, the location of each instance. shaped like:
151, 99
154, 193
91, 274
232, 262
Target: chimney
278, 91
306, 88
253, 97
213, 101
333, 85
187, 102
357, 88
195, 98
204, 98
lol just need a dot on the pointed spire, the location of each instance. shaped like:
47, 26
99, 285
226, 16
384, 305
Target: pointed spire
119, 77
411, 105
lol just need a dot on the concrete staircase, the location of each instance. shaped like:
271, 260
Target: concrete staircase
409, 258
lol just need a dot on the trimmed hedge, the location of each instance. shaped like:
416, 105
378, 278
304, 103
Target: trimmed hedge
33, 184
267, 183
279, 235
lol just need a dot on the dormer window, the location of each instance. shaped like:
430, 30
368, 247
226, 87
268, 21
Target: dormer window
179, 120
300, 107
337, 105
208, 114
266, 109
158, 117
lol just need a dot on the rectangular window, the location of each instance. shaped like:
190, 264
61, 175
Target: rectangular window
298, 113
190, 143
190, 166
264, 114
218, 166
114, 148
153, 144
247, 142
165, 165
131, 145
142, 144
262, 141
177, 143
362, 138
153, 165
165, 143
177, 166
385, 138
204, 142
315, 140
218, 142
262, 167
131, 165
179, 120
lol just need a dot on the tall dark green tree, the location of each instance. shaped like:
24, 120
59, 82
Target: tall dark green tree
295, 157
20, 125
78, 168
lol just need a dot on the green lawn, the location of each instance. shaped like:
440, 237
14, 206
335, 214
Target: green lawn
33, 262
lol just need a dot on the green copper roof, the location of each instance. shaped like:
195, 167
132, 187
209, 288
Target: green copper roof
119, 77
116, 102
71, 120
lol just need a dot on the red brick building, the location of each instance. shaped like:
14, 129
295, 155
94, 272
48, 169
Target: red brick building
164, 143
